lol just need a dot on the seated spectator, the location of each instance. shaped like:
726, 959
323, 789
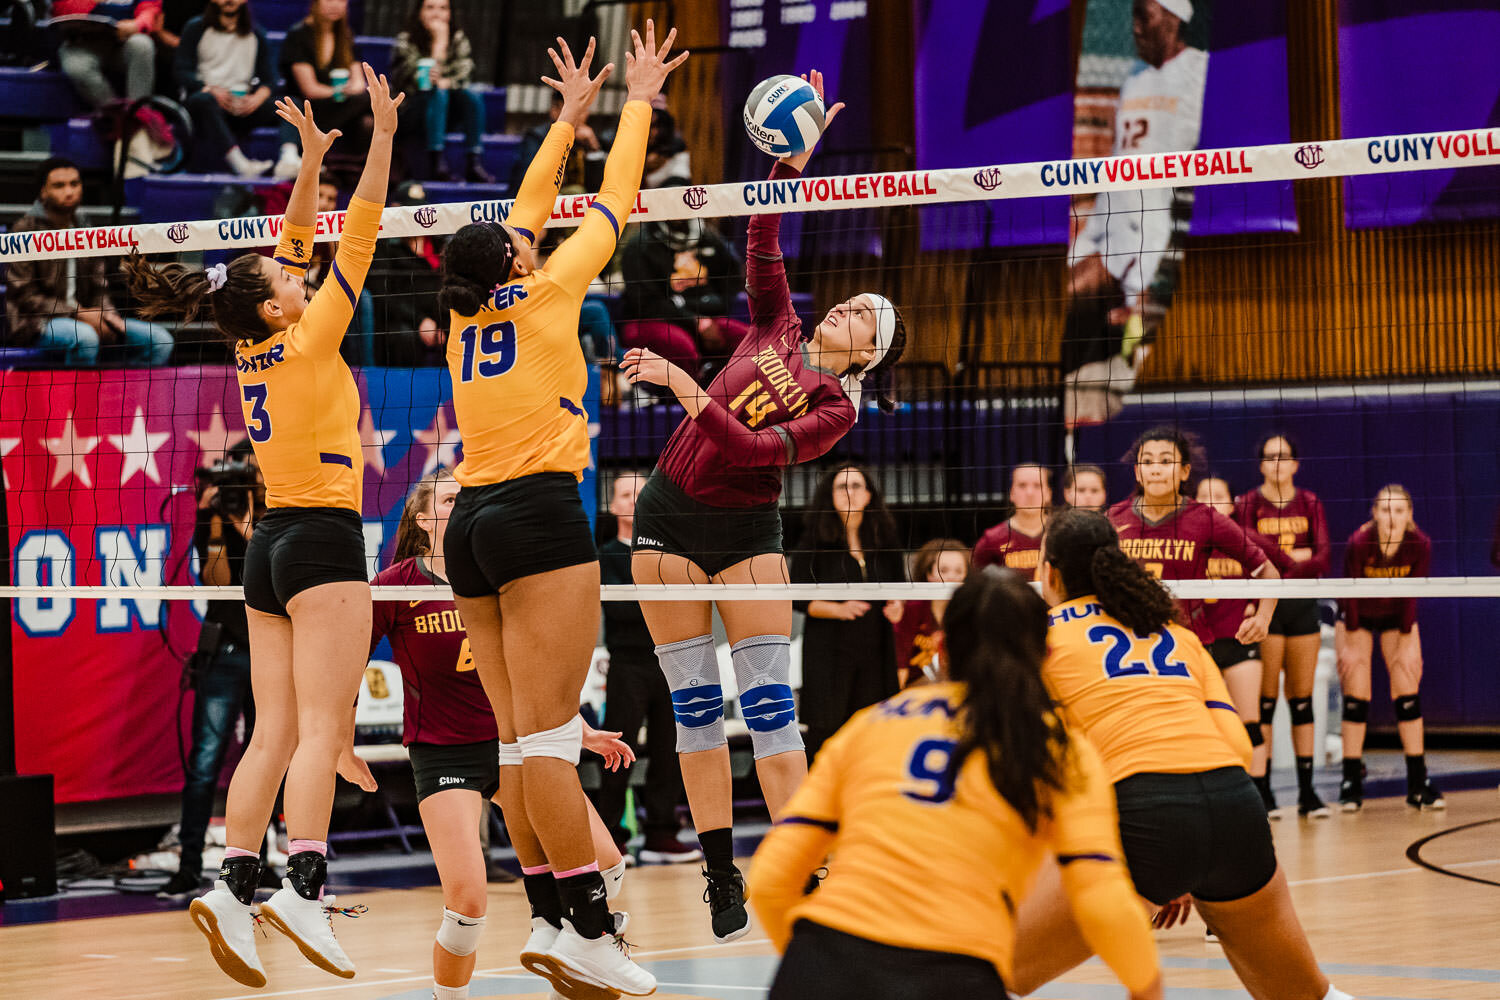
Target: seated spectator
224, 71
109, 43
919, 623
586, 148
317, 62
667, 157
62, 304
403, 284
175, 14
433, 65
680, 278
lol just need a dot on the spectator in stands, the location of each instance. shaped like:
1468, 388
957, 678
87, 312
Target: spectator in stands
680, 280
175, 14
848, 648
224, 71
403, 285
62, 304
231, 498
1083, 487
636, 693
919, 623
667, 157
104, 43
433, 64
317, 61
586, 144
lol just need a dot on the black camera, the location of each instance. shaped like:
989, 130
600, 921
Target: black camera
239, 487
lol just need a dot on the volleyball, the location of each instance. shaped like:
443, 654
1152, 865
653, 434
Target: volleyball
784, 115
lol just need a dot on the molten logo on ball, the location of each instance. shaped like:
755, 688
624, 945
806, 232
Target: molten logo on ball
695, 197
1311, 156
989, 178
178, 233
426, 216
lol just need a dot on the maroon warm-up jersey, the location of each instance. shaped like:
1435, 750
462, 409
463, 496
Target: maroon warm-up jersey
1006, 546
445, 703
770, 407
1299, 524
1180, 546
1224, 616
1364, 560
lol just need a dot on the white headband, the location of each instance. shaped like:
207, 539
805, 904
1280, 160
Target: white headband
1182, 8
885, 332
217, 276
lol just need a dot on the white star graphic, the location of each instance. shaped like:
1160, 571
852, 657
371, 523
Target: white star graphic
70, 450
214, 440
373, 441
8, 445
139, 448
441, 441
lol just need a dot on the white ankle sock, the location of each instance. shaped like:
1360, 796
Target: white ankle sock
450, 992
614, 878
1334, 993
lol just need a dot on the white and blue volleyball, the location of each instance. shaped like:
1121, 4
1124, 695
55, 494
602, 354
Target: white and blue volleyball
784, 116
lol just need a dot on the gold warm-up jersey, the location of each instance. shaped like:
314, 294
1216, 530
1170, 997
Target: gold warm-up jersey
518, 371
1150, 703
925, 859
299, 398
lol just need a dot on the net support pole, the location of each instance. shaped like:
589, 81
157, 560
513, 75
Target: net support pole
7, 664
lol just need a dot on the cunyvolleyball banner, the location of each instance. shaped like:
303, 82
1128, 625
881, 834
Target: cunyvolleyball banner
99, 471
1409, 64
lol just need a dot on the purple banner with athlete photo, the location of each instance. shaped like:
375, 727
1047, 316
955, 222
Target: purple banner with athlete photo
994, 85
1419, 66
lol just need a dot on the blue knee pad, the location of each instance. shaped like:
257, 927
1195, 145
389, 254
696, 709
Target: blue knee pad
692, 671
763, 669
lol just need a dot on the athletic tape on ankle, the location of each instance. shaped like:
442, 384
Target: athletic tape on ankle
692, 670
763, 670
459, 934
565, 742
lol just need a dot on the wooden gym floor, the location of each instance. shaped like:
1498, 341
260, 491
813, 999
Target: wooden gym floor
1382, 926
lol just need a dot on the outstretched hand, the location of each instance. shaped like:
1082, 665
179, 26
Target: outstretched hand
573, 83
382, 105
315, 142
646, 68
615, 751
815, 78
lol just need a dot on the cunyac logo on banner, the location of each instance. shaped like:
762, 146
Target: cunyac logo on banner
426, 216
178, 233
695, 197
989, 178
1310, 156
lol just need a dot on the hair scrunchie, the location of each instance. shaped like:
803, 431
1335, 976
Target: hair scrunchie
217, 276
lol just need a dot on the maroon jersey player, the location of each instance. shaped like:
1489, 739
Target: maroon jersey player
1016, 542
1389, 546
708, 513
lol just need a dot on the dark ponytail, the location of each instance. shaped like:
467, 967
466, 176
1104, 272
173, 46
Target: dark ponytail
478, 257
995, 631
1083, 547
162, 289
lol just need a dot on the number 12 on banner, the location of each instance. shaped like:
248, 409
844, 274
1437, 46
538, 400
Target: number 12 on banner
488, 353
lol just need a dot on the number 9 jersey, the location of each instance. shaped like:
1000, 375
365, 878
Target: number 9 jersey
1151, 703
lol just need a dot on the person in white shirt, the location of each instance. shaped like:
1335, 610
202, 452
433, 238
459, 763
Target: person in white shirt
224, 68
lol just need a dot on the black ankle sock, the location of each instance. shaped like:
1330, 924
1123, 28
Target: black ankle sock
585, 903
242, 875
718, 848
1354, 769
1304, 775
308, 870
1416, 773
541, 893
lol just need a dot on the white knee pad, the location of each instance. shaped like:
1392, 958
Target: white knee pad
692, 671
511, 755
763, 668
459, 935
565, 742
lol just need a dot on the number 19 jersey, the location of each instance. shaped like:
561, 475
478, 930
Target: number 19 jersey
1143, 700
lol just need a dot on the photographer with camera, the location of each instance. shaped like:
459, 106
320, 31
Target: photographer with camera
231, 498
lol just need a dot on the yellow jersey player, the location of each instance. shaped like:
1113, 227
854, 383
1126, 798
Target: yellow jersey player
1147, 694
306, 585
519, 548
939, 805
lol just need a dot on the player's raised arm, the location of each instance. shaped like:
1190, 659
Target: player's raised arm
300, 222
538, 191
583, 255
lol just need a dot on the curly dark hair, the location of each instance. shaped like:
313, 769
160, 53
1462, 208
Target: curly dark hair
824, 525
163, 289
477, 258
995, 632
1190, 452
1083, 547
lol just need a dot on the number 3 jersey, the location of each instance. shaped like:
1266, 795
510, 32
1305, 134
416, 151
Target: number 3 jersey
771, 406
299, 399
444, 702
1150, 703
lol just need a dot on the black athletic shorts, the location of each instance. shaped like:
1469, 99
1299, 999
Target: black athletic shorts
472, 766
1206, 834
297, 548
504, 531
1296, 616
831, 965
711, 538
1231, 652
1384, 623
